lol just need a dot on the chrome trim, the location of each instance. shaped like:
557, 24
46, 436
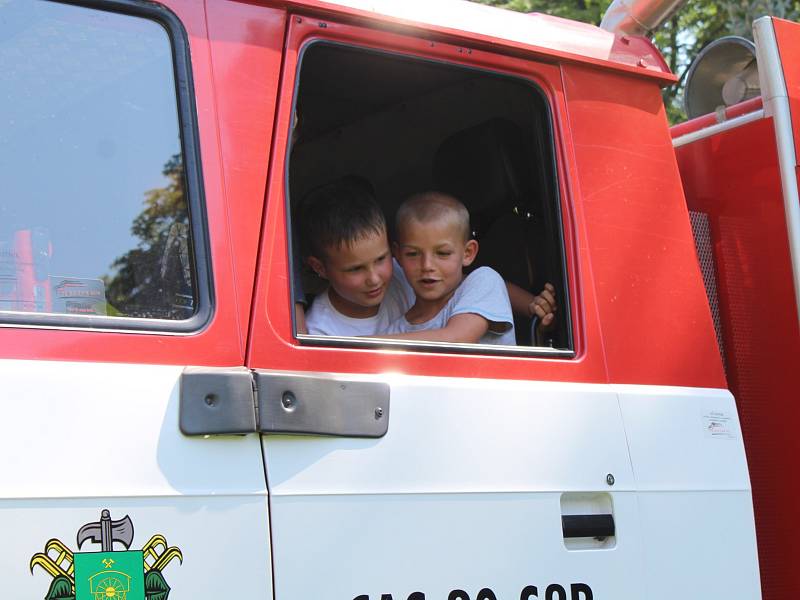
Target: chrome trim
442, 347
238, 401
216, 401
301, 403
733, 123
638, 17
776, 105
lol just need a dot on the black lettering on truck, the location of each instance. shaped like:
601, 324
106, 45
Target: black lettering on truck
554, 591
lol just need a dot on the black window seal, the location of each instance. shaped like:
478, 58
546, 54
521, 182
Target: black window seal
438, 347
196, 206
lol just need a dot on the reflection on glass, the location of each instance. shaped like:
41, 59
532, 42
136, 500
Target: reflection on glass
154, 279
93, 211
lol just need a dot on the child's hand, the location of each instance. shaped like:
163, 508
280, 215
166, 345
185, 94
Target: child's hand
544, 307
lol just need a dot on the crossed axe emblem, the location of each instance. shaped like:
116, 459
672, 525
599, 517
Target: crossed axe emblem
58, 560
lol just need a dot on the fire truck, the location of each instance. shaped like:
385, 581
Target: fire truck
170, 430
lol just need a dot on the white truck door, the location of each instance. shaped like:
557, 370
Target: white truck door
452, 475
106, 292
470, 494
86, 438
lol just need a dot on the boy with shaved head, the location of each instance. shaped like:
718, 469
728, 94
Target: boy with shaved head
346, 244
433, 247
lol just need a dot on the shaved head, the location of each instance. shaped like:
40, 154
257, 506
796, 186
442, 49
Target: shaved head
432, 207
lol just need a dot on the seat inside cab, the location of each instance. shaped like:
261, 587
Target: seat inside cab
407, 125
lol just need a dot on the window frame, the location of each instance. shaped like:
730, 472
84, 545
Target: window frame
195, 195
550, 171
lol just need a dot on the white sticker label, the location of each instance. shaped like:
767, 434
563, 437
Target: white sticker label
719, 425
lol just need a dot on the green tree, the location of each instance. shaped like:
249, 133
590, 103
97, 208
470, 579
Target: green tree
680, 39
154, 279
588, 11
700, 22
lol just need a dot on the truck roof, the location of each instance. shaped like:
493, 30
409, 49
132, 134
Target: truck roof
532, 32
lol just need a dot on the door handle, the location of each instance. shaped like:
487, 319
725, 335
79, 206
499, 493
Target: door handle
220, 401
594, 526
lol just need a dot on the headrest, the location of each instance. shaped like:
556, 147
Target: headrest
487, 167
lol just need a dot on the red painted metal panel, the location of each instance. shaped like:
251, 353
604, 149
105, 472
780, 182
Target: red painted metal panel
733, 177
246, 44
623, 57
222, 341
639, 51
653, 312
788, 37
272, 344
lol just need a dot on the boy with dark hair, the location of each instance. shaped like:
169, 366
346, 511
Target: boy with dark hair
346, 243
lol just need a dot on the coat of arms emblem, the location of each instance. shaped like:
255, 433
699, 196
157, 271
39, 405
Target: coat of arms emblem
107, 574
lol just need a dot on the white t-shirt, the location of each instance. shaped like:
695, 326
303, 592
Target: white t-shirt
324, 319
482, 292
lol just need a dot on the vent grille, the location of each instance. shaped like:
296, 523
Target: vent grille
705, 254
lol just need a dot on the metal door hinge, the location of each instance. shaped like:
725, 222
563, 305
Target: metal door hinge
236, 400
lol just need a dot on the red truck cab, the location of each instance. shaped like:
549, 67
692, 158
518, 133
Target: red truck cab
159, 388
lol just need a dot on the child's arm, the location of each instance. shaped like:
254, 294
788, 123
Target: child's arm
479, 305
543, 305
463, 328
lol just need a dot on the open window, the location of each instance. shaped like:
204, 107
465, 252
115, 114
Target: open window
406, 125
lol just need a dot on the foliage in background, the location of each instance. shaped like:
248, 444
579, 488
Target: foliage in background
154, 279
588, 11
700, 22
681, 37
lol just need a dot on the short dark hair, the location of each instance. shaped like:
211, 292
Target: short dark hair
338, 214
